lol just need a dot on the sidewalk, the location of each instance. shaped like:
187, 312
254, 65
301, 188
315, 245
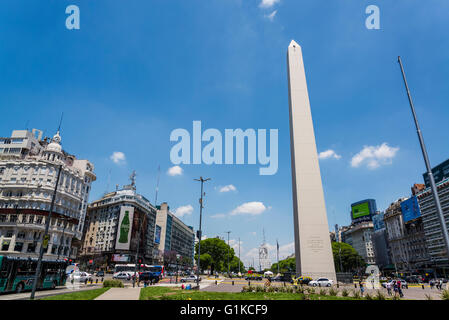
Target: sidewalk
127, 293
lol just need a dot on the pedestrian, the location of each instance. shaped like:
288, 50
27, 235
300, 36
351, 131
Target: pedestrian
362, 288
395, 288
431, 284
399, 284
388, 285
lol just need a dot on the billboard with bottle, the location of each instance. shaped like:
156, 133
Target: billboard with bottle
124, 228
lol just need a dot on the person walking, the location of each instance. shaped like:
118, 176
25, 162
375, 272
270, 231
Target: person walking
399, 284
388, 285
431, 284
395, 288
362, 288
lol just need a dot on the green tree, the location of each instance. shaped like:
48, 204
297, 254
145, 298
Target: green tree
205, 261
235, 265
218, 250
286, 265
350, 258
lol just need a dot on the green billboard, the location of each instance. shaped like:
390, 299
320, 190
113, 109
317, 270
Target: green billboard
360, 210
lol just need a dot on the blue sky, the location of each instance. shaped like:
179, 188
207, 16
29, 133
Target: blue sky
136, 70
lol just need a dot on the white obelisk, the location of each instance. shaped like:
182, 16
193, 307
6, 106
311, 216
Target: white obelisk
312, 242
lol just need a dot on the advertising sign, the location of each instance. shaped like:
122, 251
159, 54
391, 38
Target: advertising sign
120, 258
124, 228
157, 235
360, 210
410, 209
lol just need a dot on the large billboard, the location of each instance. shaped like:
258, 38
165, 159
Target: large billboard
125, 224
410, 209
157, 235
360, 210
120, 258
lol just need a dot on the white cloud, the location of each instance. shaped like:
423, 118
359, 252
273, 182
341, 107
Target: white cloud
184, 210
271, 15
268, 3
175, 171
374, 156
328, 154
228, 188
218, 216
251, 208
234, 244
118, 157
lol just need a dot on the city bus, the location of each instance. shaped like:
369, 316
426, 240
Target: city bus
17, 274
159, 269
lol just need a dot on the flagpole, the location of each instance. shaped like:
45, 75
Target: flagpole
277, 244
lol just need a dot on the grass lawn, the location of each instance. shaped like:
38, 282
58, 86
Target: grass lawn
170, 293
78, 295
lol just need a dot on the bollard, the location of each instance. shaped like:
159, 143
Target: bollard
96, 280
355, 285
338, 286
284, 283
102, 279
249, 283
422, 286
232, 282
216, 282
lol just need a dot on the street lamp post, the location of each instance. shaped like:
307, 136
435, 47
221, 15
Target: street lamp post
239, 257
47, 226
177, 266
62, 237
137, 252
428, 167
199, 230
228, 232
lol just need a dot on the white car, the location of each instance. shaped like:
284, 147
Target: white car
80, 276
122, 275
189, 278
321, 282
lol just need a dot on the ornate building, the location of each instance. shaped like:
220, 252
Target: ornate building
28, 171
407, 240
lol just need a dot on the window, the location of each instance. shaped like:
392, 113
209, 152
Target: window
13, 218
31, 247
9, 234
5, 245
18, 246
39, 220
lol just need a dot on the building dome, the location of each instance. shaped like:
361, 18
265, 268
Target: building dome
55, 144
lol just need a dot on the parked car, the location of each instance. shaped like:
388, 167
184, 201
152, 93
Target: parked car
392, 282
100, 274
190, 278
253, 277
122, 276
321, 282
